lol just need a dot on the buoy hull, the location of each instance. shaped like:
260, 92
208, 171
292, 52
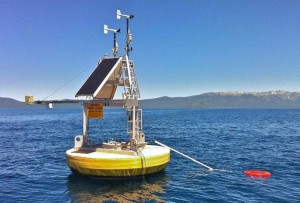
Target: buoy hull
155, 159
257, 173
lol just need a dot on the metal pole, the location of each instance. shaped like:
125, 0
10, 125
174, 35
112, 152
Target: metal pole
115, 44
127, 36
133, 137
85, 123
133, 122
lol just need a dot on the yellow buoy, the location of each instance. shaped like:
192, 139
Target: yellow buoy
114, 163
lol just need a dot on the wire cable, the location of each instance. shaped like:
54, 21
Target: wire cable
65, 84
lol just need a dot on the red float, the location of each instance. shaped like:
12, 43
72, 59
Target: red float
257, 173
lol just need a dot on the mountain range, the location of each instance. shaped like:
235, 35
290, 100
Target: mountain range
270, 99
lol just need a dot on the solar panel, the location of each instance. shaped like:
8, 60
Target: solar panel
99, 76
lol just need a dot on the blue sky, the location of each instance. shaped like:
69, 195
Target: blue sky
181, 47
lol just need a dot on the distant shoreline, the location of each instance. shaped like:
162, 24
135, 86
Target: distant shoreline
219, 100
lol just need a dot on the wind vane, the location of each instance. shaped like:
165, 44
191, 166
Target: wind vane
128, 34
115, 50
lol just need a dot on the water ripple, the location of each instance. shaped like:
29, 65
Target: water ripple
34, 141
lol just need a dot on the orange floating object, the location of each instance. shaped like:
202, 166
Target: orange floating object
257, 173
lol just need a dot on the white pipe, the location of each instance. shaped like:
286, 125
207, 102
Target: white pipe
186, 156
85, 123
129, 74
133, 123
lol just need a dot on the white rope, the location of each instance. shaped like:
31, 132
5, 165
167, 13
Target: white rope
143, 164
62, 86
194, 160
143, 161
186, 156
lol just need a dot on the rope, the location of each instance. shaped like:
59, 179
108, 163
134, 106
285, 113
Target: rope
143, 164
62, 86
186, 156
194, 160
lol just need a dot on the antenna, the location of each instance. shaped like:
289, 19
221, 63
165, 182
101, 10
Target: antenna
115, 50
128, 35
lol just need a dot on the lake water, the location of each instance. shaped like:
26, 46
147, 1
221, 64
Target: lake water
33, 166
